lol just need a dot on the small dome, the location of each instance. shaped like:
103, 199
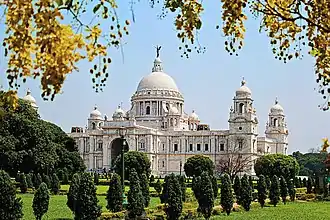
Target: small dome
174, 110
29, 98
157, 79
194, 116
96, 114
243, 90
119, 113
276, 108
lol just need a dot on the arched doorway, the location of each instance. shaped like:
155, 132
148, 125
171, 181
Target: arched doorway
116, 149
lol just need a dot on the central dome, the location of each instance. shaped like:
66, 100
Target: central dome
157, 79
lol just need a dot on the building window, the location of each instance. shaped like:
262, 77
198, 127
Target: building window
93, 126
142, 145
163, 163
190, 147
148, 110
100, 146
240, 128
206, 147
175, 147
163, 147
240, 145
241, 108
198, 147
222, 147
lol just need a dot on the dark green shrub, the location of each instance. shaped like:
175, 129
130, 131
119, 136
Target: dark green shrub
115, 194
309, 185
292, 190
145, 189
96, 178
37, 180
10, 206
196, 186
284, 189
40, 201
268, 183
46, 179
246, 193
274, 192
158, 187
262, 190
152, 179
174, 201
135, 198
206, 199
214, 185
73, 192
29, 178
23, 183
237, 188
55, 184
226, 195
65, 180
87, 207
164, 195
182, 181
251, 182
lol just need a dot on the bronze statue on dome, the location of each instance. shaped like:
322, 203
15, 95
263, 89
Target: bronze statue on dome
157, 50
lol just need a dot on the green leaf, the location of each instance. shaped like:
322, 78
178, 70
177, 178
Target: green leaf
96, 8
59, 2
199, 24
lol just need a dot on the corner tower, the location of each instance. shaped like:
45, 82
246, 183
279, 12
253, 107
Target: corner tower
276, 128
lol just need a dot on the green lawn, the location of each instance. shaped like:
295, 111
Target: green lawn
291, 211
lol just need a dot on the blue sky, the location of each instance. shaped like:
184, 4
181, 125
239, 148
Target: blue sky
208, 81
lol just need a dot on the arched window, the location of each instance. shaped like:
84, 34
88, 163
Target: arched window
241, 108
148, 110
275, 122
93, 126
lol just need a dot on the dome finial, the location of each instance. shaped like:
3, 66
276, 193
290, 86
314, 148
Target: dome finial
95, 107
28, 91
276, 101
243, 82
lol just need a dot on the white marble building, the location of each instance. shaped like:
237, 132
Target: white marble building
158, 125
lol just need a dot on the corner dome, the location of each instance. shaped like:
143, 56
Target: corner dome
243, 90
119, 113
29, 98
276, 108
157, 79
193, 116
96, 114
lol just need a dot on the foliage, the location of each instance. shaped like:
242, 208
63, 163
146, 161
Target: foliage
284, 189
262, 190
274, 191
164, 195
311, 164
158, 187
135, 197
152, 178
182, 181
174, 201
29, 144
246, 193
215, 186
197, 164
237, 189
55, 187
297, 182
251, 181
29, 178
304, 182
73, 192
23, 183
133, 160
41, 201
46, 179
96, 178
206, 199
145, 189
292, 191
309, 185
196, 186
10, 206
115, 194
226, 195
65, 177
37, 180
86, 207
268, 182
276, 164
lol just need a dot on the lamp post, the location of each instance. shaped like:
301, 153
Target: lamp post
122, 132
180, 166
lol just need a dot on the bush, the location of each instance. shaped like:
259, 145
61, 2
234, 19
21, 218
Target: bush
309, 186
37, 180
262, 190
10, 206
226, 194
152, 179
158, 187
206, 200
174, 207
182, 181
292, 190
47, 180
268, 182
145, 189
87, 203
197, 164
115, 194
40, 201
284, 189
237, 188
29, 178
112, 215
73, 193
23, 183
164, 195
214, 186
274, 192
135, 198
246, 193
65, 180
96, 178
56, 186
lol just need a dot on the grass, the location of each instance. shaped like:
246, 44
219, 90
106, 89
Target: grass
291, 211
